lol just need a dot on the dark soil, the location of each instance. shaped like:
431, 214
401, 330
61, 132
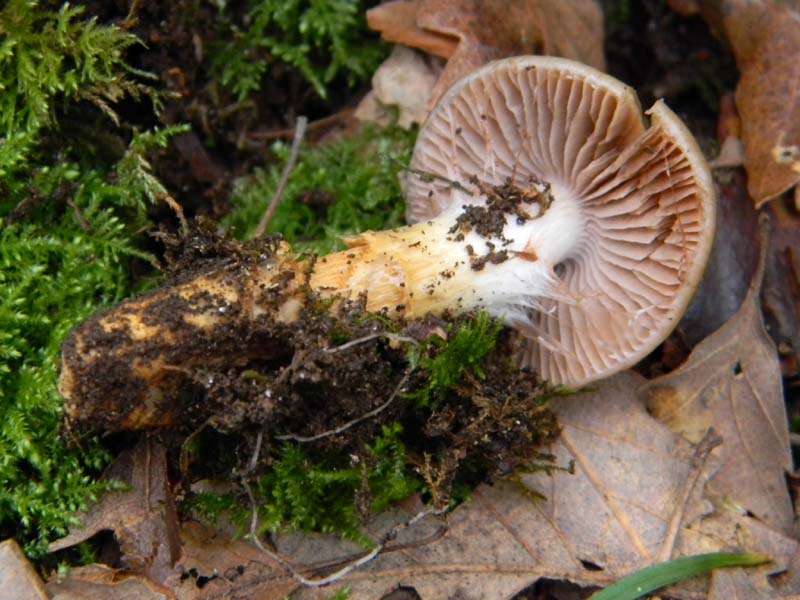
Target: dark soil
662, 54
334, 376
488, 219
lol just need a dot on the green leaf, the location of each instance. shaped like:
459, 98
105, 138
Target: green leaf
652, 578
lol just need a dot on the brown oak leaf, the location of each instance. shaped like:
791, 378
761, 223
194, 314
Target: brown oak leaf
765, 37
213, 565
99, 582
732, 382
471, 33
16, 573
636, 497
143, 517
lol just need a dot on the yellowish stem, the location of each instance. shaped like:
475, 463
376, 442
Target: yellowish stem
406, 272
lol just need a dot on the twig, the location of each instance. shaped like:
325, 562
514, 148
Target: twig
299, 133
251, 466
347, 569
392, 336
313, 126
427, 176
82, 222
342, 428
178, 210
710, 440
387, 549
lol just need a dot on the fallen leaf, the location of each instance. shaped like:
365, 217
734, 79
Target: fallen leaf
731, 265
732, 382
471, 33
765, 37
686, 8
397, 22
142, 518
731, 528
729, 135
636, 497
213, 565
731, 584
99, 582
781, 293
17, 574
790, 580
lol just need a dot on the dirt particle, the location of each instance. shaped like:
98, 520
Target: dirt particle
489, 220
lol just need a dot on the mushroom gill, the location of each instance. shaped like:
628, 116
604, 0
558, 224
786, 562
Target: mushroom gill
632, 218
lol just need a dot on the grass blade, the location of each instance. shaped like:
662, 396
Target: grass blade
652, 578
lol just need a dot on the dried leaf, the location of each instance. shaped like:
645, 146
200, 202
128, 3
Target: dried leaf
636, 498
765, 37
17, 574
142, 518
732, 382
397, 22
732, 528
99, 582
471, 33
731, 265
732, 585
686, 8
781, 293
212, 565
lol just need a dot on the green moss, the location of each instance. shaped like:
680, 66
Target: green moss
446, 362
69, 225
310, 490
210, 506
56, 270
314, 491
337, 189
323, 39
47, 59
310, 494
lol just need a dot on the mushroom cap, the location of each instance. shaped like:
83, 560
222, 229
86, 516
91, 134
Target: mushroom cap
645, 195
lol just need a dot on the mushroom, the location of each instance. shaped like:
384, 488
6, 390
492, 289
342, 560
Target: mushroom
536, 192
598, 279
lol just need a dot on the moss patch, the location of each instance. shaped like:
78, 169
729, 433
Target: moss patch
337, 189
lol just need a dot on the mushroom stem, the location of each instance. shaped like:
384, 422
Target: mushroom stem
498, 257
127, 368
